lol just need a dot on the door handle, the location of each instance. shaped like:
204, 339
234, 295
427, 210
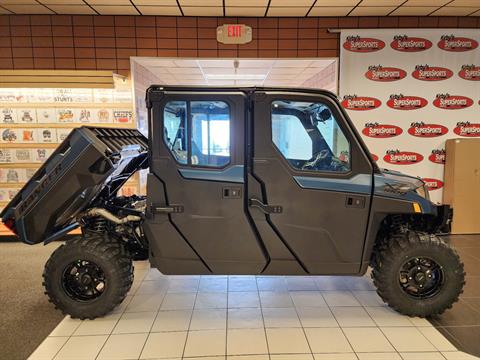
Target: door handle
266, 209
357, 202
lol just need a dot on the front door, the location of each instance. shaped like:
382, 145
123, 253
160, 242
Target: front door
310, 182
196, 206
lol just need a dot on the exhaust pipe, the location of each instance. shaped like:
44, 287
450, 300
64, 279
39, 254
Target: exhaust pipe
110, 217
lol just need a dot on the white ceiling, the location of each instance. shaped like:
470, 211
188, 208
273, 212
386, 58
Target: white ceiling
249, 72
258, 8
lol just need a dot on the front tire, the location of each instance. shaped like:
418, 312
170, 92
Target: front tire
418, 274
89, 276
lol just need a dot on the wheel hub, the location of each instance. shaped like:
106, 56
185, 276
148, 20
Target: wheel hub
83, 280
421, 277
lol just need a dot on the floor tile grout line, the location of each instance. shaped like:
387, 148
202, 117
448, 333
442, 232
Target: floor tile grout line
190, 323
263, 318
156, 316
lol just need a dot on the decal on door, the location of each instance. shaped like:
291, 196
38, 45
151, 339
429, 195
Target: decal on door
465, 128
433, 184
437, 156
470, 72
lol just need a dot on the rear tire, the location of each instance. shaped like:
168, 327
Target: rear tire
89, 276
417, 274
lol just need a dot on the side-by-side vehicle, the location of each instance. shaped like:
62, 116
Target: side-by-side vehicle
257, 181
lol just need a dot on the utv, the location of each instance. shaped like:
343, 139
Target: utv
251, 181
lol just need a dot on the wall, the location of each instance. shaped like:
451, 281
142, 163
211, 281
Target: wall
107, 42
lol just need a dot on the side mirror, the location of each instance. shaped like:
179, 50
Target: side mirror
324, 115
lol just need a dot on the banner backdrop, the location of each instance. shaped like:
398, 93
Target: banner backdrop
407, 91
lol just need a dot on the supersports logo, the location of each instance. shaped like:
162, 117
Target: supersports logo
359, 44
377, 130
437, 156
452, 102
398, 157
404, 102
380, 73
470, 72
421, 129
453, 43
410, 44
433, 184
431, 73
465, 128
354, 102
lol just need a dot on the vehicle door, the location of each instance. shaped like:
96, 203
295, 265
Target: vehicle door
315, 180
196, 185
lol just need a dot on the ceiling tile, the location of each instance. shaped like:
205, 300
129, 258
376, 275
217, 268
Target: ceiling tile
185, 63
330, 11
18, 2
372, 10
61, 2
160, 10
116, 10
216, 63
200, 3
247, 3
72, 9
292, 64
413, 11
28, 9
473, 3
254, 71
382, 2
247, 63
287, 11
155, 2
455, 11
437, 3
192, 70
219, 71
292, 3
245, 11
109, 2
202, 11
350, 3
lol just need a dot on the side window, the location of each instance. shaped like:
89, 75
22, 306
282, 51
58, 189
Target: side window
206, 124
174, 129
309, 137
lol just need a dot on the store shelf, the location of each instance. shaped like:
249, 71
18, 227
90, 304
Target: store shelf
130, 125
67, 104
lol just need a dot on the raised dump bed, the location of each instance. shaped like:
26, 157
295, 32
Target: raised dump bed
90, 161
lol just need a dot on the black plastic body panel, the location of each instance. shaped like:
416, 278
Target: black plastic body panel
72, 178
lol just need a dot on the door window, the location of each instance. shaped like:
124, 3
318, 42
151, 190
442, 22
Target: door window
206, 124
309, 137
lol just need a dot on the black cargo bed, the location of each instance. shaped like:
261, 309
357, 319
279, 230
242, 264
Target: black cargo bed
86, 163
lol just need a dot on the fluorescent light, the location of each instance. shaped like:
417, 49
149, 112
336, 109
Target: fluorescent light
235, 76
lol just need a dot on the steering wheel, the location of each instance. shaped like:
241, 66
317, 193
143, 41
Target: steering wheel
318, 161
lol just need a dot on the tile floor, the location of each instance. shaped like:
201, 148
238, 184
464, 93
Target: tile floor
248, 318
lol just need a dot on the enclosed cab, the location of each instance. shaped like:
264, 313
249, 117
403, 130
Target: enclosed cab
252, 181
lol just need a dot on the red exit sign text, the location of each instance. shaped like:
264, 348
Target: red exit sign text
234, 34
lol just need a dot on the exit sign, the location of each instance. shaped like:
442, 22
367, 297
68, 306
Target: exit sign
234, 34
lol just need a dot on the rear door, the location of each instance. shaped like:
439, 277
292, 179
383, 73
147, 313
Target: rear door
312, 179
196, 187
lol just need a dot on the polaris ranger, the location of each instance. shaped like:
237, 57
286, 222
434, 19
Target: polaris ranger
257, 181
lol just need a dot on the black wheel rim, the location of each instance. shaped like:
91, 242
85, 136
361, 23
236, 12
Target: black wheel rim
421, 277
83, 280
